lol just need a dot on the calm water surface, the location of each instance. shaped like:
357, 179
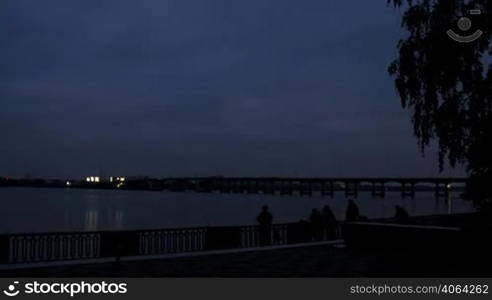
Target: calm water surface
45, 210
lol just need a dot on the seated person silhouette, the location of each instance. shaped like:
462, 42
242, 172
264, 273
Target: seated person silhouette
352, 212
401, 214
303, 233
265, 219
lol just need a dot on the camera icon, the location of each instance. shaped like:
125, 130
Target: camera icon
11, 290
465, 24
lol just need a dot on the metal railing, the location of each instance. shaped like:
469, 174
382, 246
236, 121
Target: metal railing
171, 241
52, 247
64, 246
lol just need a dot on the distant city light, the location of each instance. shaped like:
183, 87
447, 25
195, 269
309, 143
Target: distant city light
98, 179
93, 179
68, 183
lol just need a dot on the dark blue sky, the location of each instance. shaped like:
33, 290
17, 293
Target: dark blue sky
193, 87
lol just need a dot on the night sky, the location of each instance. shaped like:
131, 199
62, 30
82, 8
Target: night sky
195, 88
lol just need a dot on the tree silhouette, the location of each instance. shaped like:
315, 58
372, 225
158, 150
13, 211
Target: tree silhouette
447, 85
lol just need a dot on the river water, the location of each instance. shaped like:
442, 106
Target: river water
47, 210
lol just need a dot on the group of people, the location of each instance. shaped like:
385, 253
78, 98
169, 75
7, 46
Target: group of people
352, 213
322, 224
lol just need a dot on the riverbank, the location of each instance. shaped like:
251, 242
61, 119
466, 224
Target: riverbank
322, 259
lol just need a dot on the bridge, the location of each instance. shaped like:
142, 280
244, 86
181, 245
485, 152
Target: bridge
325, 186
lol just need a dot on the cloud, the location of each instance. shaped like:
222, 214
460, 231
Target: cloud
187, 87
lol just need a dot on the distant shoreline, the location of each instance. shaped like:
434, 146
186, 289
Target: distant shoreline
211, 185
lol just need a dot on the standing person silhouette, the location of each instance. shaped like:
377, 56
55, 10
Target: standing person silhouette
352, 212
316, 220
265, 219
329, 222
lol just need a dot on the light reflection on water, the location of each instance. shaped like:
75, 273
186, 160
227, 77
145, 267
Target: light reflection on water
91, 220
44, 210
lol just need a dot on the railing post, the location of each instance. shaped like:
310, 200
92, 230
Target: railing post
4, 249
298, 232
222, 238
119, 243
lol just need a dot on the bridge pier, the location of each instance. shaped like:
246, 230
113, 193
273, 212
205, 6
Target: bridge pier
225, 186
354, 192
261, 187
286, 187
442, 189
269, 187
407, 192
235, 187
306, 188
252, 186
327, 188
242, 186
378, 191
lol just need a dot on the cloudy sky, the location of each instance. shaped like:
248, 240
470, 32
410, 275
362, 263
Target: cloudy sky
193, 87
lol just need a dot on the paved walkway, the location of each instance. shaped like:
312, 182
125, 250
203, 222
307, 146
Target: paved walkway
310, 261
